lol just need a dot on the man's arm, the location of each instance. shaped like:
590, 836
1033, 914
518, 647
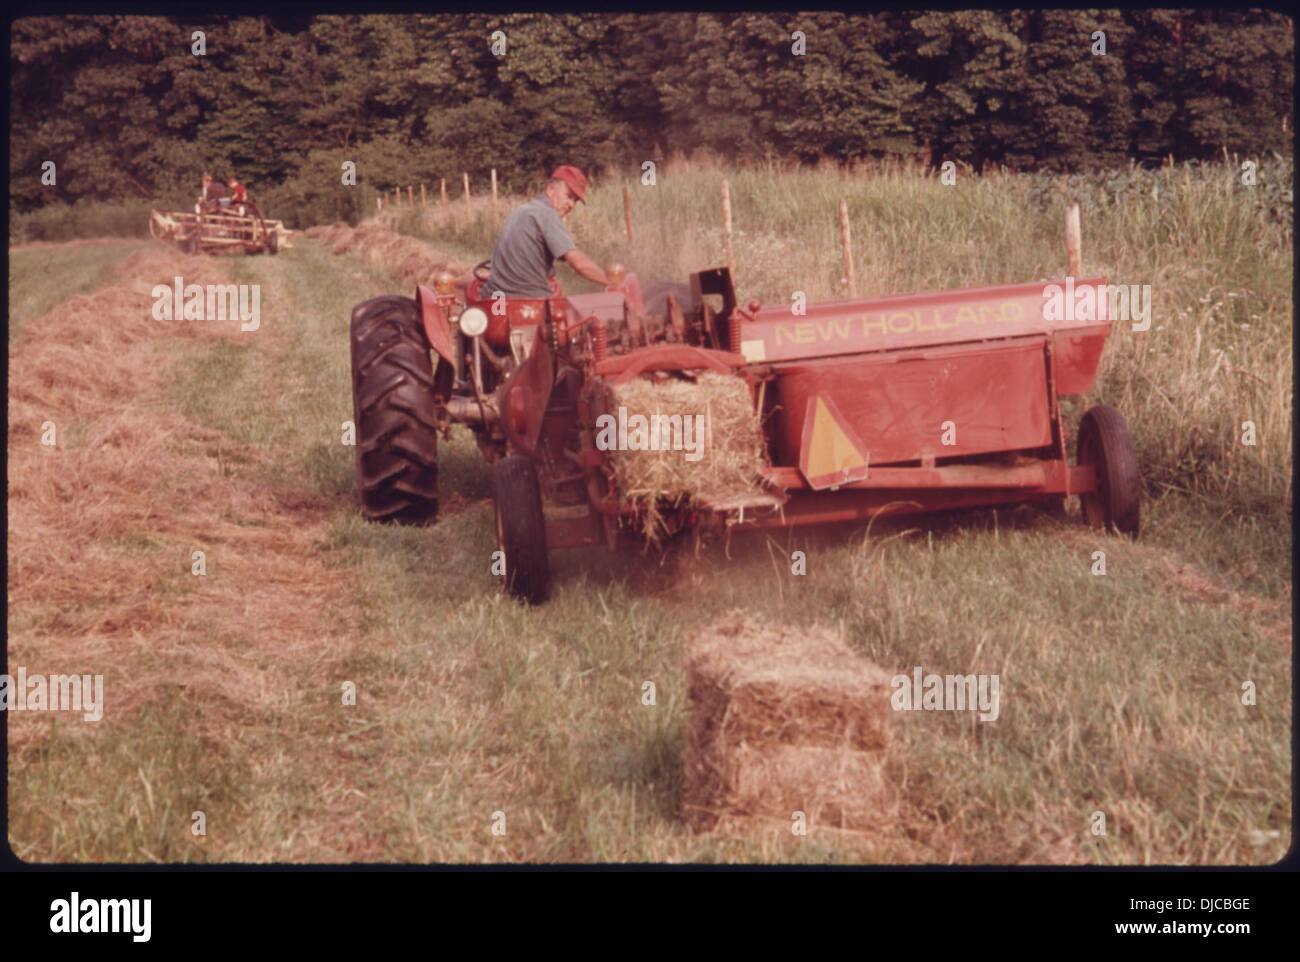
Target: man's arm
586, 267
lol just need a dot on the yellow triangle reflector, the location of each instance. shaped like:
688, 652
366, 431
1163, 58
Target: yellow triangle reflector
830, 453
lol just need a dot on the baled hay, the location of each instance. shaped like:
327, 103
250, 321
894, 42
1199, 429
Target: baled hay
761, 695
731, 456
833, 787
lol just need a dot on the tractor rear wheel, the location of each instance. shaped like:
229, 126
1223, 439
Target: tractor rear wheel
1105, 443
393, 401
521, 528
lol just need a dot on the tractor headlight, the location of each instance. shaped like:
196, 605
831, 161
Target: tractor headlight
473, 321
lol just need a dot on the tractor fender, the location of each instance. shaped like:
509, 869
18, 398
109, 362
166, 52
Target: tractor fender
525, 396
436, 326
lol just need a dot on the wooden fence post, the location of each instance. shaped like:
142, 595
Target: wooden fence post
627, 215
494, 186
1073, 241
846, 241
726, 221
444, 196
468, 209
410, 196
423, 201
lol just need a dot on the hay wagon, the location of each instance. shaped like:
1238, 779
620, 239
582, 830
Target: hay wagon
242, 229
906, 403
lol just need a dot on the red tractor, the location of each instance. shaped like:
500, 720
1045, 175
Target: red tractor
910, 402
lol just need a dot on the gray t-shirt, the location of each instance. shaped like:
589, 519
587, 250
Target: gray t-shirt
524, 260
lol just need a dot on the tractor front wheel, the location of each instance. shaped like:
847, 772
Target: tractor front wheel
1105, 443
393, 401
521, 528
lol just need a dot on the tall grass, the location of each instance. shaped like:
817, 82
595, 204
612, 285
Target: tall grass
84, 218
1216, 252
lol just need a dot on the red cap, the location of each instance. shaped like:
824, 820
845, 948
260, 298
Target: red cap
573, 179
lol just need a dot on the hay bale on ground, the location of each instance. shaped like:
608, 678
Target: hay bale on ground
783, 720
836, 787
711, 417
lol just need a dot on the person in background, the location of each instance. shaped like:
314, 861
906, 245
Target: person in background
213, 191
238, 194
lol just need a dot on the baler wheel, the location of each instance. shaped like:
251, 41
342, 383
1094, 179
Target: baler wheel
1105, 443
521, 528
191, 244
394, 405
273, 241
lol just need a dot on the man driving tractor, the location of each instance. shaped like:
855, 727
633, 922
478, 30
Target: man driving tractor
214, 191
534, 236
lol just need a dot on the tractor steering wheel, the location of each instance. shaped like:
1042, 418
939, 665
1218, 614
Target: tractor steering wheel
483, 271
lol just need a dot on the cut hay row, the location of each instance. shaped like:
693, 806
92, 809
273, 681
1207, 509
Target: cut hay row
405, 258
102, 526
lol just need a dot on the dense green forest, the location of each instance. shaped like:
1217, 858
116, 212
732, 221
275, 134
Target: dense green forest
130, 110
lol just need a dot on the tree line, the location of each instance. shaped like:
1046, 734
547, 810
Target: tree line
134, 107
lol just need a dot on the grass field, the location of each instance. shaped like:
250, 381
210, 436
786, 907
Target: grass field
1119, 693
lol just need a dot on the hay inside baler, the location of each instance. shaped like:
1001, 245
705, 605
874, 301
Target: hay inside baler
708, 443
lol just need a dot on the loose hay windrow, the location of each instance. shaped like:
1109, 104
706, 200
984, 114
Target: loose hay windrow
411, 260
708, 443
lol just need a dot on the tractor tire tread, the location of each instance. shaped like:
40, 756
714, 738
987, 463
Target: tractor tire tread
521, 528
395, 412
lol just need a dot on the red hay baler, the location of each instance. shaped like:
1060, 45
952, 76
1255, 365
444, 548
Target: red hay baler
906, 403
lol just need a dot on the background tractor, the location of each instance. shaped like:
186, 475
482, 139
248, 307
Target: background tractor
241, 228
